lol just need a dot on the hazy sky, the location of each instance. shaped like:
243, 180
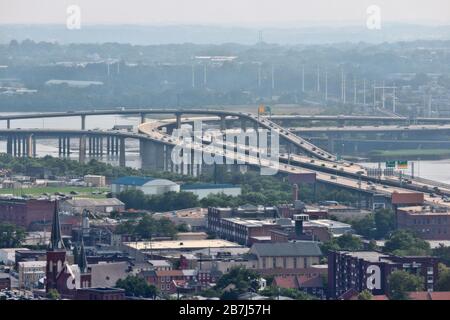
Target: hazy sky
224, 12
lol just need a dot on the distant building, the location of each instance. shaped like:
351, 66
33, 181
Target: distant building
194, 218
95, 180
428, 222
148, 185
168, 281
5, 281
30, 272
8, 255
287, 255
25, 212
105, 206
100, 294
203, 190
160, 265
361, 270
311, 285
73, 83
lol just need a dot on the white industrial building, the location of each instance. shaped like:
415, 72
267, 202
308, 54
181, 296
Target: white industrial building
148, 185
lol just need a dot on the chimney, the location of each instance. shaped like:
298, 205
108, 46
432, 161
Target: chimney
299, 218
294, 192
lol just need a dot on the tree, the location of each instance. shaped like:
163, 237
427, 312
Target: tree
274, 292
443, 283
53, 294
443, 253
405, 242
400, 283
345, 242
365, 295
384, 222
11, 236
243, 279
137, 287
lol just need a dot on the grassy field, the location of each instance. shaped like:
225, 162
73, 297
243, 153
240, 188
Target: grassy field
83, 192
407, 154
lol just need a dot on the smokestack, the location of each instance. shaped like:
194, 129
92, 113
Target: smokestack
294, 192
299, 218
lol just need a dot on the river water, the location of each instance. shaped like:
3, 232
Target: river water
438, 170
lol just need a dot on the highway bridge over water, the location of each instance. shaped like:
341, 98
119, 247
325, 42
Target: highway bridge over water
156, 147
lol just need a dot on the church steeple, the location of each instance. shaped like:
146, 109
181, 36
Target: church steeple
82, 261
56, 242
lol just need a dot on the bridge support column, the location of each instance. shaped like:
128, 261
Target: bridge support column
19, 146
24, 147
117, 145
15, 146
8, 123
9, 145
108, 145
178, 116
101, 146
68, 146
223, 123
122, 159
154, 155
243, 124
29, 146
83, 122
82, 149
143, 118
64, 146
34, 148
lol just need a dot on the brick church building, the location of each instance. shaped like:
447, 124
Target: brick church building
72, 281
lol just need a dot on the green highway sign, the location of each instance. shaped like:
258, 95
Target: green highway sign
390, 164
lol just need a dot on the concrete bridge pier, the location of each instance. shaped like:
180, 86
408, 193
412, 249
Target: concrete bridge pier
178, 116
153, 155
116, 147
223, 123
83, 122
122, 159
8, 123
30, 144
9, 145
142, 117
82, 149
14, 146
108, 145
19, 147
90, 146
243, 124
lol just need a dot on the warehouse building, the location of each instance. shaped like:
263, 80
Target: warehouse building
104, 206
148, 185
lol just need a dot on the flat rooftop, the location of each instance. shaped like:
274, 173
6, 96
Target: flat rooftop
425, 210
372, 256
181, 244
